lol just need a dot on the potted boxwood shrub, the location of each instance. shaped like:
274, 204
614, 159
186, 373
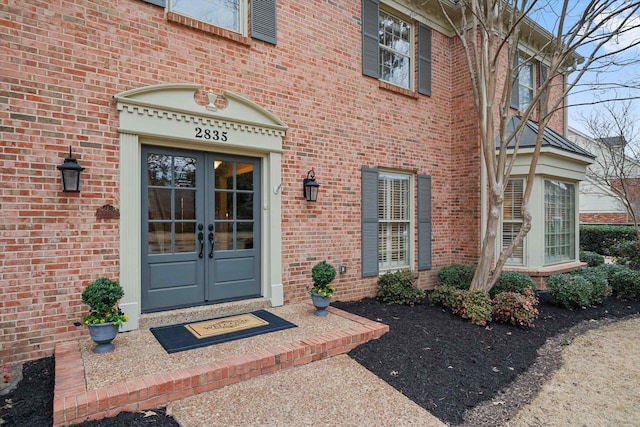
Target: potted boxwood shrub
105, 317
322, 275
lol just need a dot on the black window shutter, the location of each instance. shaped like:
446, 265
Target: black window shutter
263, 20
543, 72
515, 89
161, 3
424, 222
369, 222
370, 43
424, 59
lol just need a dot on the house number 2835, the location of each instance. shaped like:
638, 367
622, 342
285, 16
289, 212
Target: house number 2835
212, 135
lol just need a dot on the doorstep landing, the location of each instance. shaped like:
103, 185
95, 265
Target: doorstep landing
74, 403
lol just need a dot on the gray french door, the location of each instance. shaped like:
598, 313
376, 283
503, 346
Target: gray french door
200, 228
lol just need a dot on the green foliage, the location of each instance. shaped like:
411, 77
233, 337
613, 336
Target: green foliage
602, 238
591, 258
456, 275
322, 275
102, 296
512, 281
609, 270
519, 309
399, 287
569, 290
627, 254
626, 284
599, 280
446, 296
475, 306
516, 308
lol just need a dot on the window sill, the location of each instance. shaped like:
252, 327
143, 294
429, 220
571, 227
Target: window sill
208, 28
397, 89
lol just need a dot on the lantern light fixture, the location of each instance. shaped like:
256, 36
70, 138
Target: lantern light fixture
70, 170
310, 187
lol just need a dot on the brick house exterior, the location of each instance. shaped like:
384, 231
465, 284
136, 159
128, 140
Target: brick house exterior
599, 202
79, 74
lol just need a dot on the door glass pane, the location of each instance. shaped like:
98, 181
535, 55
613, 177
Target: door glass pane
224, 236
159, 203
185, 172
245, 235
185, 237
185, 207
245, 206
224, 205
159, 171
159, 238
244, 176
223, 172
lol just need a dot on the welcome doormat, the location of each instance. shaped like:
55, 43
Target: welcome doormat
187, 336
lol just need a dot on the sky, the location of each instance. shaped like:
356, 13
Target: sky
616, 81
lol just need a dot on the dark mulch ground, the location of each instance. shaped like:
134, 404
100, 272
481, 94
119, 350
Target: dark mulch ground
461, 373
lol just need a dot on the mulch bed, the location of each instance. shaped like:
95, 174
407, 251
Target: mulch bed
461, 373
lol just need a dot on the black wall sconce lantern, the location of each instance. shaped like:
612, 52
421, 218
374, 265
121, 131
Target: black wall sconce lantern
70, 170
311, 187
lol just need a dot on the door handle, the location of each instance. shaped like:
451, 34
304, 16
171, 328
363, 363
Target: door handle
201, 240
211, 240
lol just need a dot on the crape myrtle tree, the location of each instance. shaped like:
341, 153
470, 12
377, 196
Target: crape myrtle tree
494, 34
617, 151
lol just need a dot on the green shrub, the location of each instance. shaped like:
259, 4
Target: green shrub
512, 281
322, 274
569, 290
456, 275
627, 254
519, 309
626, 284
602, 238
475, 306
399, 287
591, 258
446, 296
610, 270
599, 280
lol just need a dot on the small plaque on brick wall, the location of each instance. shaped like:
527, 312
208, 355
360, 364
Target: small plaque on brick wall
108, 212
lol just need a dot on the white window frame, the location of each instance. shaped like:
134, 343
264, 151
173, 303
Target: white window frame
410, 55
560, 245
389, 259
525, 87
242, 14
513, 215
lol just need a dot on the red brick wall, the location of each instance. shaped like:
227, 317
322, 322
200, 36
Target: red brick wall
604, 218
65, 60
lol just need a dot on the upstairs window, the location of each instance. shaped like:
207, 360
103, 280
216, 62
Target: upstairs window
388, 49
227, 14
227, 18
395, 50
529, 76
525, 84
